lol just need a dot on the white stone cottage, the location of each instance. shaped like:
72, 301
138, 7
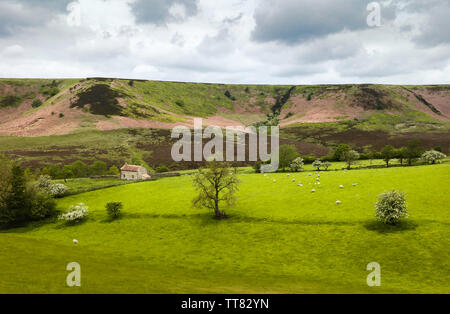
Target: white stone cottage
132, 172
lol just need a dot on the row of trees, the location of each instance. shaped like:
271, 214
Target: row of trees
79, 169
410, 153
290, 159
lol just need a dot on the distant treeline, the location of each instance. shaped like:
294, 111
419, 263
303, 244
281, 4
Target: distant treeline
79, 169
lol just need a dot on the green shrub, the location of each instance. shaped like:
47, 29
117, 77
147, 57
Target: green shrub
391, 206
113, 170
114, 209
309, 159
36, 103
162, 169
42, 204
10, 101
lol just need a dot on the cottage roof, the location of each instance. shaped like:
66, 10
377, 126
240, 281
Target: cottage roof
130, 168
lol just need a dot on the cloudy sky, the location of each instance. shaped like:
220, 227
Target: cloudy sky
228, 41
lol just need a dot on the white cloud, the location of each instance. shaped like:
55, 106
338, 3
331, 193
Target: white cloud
215, 41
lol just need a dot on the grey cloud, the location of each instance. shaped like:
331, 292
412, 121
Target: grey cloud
294, 21
57, 5
436, 29
18, 15
158, 11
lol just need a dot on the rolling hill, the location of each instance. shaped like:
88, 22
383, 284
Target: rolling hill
41, 120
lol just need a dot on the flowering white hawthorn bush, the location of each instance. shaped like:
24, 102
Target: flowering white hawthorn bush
433, 156
297, 164
58, 189
317, 164
76, 214
391, 206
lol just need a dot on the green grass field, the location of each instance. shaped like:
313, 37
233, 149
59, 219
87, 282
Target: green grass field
281, 238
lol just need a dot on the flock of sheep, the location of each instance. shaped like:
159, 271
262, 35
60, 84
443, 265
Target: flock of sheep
316, 183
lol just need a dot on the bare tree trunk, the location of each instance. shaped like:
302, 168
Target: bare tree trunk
217, 211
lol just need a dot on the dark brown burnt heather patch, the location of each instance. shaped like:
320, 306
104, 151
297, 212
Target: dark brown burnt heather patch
101, 99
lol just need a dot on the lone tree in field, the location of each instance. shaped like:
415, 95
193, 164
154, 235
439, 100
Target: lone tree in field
388, 153
350, 157
215, 184
391, 206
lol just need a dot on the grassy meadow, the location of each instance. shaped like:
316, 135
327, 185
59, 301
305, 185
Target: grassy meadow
280, 238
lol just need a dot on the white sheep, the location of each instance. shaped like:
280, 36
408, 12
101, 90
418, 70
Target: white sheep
75, 241
310, 174
274, 181
300, 185
318, 180
293, 180
341, 186
355, 184
313, 191
288, 175
338, 202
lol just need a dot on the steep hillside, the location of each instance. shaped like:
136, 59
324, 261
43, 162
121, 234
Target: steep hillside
55, 107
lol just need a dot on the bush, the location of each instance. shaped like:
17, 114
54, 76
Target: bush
54, 189
114, 209
42, 204
309, 159
58, 190
162, 169
317, 164
10, 101
326, 165
391, 206
297, 164
113, 170
36, 103
76, 214
433, 156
